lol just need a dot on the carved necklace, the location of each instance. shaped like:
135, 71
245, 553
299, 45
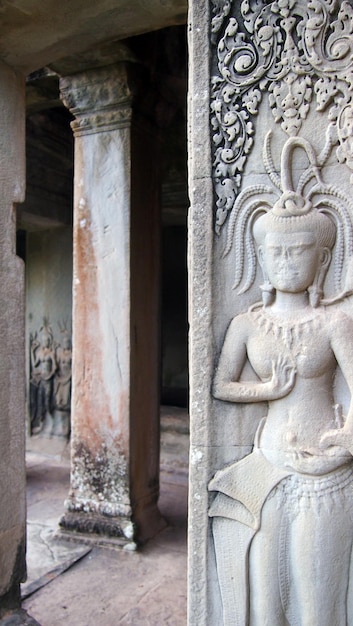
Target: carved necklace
293, 334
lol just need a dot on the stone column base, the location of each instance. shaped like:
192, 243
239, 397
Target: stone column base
115, 532
18, 618
92, 528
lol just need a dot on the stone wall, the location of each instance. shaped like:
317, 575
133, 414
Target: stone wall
286, 68
48, 278
12, 388
48, 304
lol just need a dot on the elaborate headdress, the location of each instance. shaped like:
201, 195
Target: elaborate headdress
65, 331
318, 208
46, 331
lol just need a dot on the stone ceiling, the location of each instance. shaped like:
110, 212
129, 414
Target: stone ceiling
35, 33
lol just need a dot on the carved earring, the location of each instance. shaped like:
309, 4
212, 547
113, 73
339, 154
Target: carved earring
268, 293
315, 295
316, 291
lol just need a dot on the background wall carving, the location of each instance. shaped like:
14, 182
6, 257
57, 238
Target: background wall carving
50, 381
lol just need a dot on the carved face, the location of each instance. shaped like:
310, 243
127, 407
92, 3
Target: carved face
67, 343
45, 340
291, 260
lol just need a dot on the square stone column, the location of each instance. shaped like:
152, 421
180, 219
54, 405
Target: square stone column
115, 382
12, 345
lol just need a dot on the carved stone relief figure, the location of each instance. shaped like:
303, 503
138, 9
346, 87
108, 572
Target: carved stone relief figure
43, 367
50, 382
282, 516
62, 385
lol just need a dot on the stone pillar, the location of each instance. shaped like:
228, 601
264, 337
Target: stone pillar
12, 346
271, 338
115, 382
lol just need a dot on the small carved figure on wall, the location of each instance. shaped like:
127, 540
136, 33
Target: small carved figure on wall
282, 517
62, 383
43, 367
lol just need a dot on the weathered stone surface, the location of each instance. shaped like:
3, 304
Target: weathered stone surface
280, 209
47, 556
147, 586
114, 488
200, 309
12, 425
100, 99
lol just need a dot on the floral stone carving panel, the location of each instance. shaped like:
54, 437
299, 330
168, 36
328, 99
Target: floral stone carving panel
282, 516
298, 55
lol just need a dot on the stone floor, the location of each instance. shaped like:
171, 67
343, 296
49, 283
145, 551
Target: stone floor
71, 584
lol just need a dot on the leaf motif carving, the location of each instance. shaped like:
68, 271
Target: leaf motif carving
297, 51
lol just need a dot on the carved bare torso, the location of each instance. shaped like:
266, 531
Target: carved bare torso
43, 361
295, 362
46, 361
64, 363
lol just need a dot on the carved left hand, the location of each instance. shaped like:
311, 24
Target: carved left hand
342, 438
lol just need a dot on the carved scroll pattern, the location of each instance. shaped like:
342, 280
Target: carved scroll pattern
301, 53
100, 99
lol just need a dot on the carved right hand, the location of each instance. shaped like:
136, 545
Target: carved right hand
283, 377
